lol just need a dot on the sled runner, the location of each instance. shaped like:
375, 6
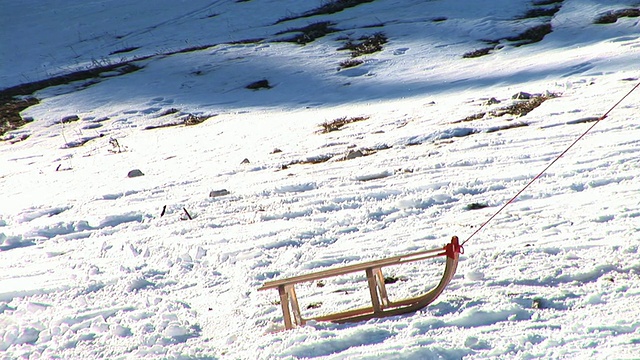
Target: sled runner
381, 305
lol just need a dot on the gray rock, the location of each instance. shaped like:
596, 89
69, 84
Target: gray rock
221, 192
521, 96
69, 118
135, 173
354, 154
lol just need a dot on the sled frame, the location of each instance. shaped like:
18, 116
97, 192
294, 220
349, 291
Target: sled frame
381, 305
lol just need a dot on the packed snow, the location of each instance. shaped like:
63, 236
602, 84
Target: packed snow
125, 234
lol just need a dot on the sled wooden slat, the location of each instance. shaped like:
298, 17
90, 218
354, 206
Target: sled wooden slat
396, 260
381, 306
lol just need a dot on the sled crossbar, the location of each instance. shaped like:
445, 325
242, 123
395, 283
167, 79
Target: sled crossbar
381, 306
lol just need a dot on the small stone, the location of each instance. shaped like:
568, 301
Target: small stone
221, 192
260, 84
245, 161
276, 150
314, 305
521, 96
476, 206
135, 173
354, 154
391, 279
70, 118
537, 304
492, 101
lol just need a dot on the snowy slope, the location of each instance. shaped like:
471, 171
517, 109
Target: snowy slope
97, 264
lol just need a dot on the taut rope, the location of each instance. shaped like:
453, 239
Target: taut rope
548, 166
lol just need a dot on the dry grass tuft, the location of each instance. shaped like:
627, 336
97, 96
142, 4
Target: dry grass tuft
337, 124
519, 108
350, 63
366, 45
10, 118
310, 32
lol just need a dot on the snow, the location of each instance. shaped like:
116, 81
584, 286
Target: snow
98, 264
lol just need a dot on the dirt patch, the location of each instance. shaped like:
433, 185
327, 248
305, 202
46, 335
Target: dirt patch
350, 63
473, 117
328, 7
519, 108
478, 52
337, 124
246, 41
10, 118
365, 45
350, 155
541, 12
188, 120
611, 17
30, 88
310, 32
191, 119
525, 107
547, 2
531, 35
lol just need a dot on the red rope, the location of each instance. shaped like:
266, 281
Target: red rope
548, 166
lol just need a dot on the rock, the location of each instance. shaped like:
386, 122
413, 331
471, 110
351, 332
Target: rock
492, 101
476, 206
390, 279
314, 305
135, 173
221, 192
70, 118
537, 303
276, 150
245, 161
260, 84
354, 154
521, 96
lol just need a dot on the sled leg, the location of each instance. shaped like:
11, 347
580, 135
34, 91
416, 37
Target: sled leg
381, 287
284, 302
373, 290
295, 308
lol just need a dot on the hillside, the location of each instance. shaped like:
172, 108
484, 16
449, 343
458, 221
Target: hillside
159, 163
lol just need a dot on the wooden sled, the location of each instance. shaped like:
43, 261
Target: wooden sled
381, 306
